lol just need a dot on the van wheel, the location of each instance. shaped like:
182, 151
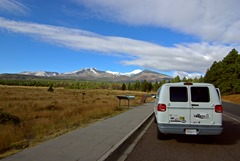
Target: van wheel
161, 136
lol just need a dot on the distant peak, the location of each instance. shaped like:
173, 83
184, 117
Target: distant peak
149, 71
94, 70
114, 73
40, 73
133, 72
88, 69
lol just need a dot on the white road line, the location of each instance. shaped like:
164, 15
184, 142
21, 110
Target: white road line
231, 118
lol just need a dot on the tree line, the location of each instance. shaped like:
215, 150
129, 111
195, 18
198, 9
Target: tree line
225, 74
144, 86
69, 84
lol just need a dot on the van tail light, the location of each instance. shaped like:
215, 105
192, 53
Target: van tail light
161, 107
218, 109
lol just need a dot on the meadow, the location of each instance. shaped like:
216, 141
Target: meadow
30, 115
234, 98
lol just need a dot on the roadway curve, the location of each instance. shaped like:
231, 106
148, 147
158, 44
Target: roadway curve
225, 147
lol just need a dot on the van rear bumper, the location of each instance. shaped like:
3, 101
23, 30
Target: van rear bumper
180, 129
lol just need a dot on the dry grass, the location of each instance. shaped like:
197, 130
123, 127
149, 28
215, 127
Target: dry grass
235, 98
44, 115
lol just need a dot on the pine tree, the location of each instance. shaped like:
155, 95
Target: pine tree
225, 74
123, 86
176, 79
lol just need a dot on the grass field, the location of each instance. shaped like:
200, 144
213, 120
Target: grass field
235, 98
30, 115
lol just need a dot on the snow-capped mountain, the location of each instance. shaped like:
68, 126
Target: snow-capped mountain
137, 71
114, 73
94, 74
41, 73
80, 72
77, 72
127, 74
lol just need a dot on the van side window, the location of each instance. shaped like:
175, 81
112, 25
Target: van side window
200, 94
158, 93
178, 94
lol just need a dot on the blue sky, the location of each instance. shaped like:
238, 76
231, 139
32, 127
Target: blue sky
174, 37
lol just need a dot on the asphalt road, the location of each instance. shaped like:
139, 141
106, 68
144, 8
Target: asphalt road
225, 147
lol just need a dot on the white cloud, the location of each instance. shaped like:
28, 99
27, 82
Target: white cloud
210, 20
13, 6
191, 57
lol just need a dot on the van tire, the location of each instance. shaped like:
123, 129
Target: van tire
161, 136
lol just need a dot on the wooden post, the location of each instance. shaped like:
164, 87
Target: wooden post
144, 98
119, 102
83, 96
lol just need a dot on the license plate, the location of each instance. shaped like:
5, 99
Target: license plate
191, 131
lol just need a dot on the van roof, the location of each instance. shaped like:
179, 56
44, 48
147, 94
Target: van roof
187, 84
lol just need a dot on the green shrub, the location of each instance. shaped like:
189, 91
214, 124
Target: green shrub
8, 118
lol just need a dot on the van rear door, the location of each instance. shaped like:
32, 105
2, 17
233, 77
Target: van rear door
178, 106
201, 106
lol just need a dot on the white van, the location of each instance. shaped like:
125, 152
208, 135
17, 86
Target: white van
188, 108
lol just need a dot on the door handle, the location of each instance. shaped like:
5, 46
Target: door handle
195, 104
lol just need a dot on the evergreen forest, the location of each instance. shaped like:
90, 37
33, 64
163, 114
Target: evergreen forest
225, 74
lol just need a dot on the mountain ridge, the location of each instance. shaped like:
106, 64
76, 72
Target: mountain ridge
95, 74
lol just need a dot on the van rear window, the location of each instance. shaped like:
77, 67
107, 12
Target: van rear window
178, 94
200, 94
